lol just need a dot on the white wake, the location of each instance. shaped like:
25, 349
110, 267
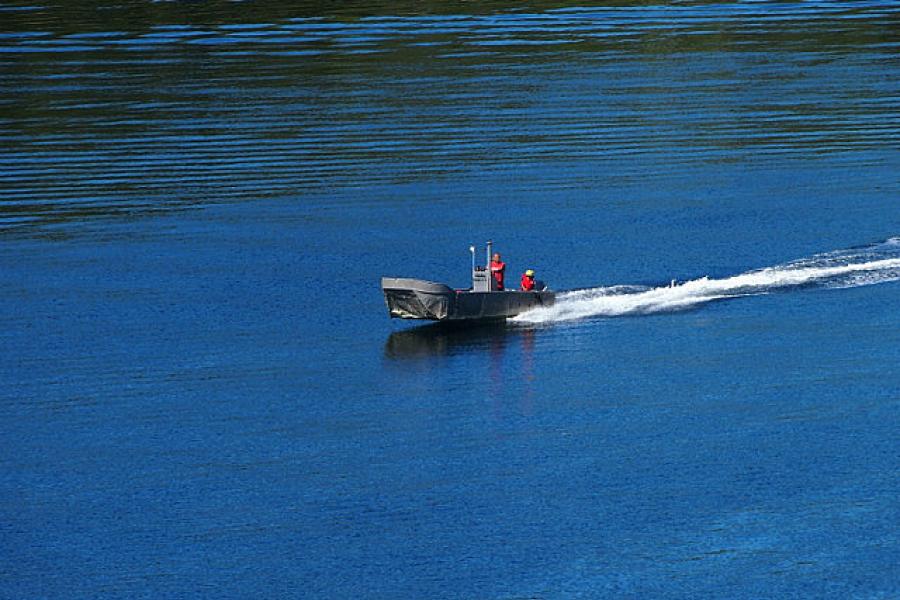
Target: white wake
846, 268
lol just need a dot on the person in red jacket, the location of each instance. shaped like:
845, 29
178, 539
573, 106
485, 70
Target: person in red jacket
498, 270
528, 281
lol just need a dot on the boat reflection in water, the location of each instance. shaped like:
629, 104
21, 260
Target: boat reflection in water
443, 340
508, 352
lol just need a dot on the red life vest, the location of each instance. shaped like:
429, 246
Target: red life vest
527, 283
497, 271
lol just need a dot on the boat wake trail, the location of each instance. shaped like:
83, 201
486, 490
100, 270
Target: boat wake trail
878, 263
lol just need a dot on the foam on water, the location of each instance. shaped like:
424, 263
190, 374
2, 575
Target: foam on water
879, 263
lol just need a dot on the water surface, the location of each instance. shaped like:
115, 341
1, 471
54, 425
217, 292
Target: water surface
201, 393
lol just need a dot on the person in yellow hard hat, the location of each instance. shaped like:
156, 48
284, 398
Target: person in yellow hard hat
528, 281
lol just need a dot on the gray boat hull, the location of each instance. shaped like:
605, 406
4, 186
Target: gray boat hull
419, 299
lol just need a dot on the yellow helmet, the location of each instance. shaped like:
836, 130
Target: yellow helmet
529, 273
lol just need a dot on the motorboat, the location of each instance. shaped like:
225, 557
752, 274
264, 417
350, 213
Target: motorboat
420, 299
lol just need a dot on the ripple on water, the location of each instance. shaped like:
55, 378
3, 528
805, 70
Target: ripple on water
272, 103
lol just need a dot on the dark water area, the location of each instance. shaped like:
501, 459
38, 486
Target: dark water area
201, 393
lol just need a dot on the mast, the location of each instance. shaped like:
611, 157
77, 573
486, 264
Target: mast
487, 266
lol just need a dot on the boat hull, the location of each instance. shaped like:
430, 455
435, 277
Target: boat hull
420, 299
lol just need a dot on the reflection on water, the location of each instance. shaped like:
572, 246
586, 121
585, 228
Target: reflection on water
509, 382
442, 340
118, 108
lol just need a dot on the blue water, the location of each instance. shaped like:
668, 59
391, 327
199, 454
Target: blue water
201, 394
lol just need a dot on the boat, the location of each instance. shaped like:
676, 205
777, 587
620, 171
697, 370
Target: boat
420, 299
